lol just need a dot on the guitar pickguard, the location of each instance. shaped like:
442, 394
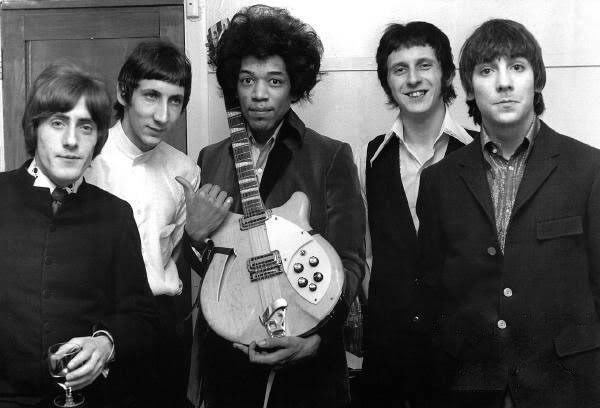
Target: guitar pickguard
305, 263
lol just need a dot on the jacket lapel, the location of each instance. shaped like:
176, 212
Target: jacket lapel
473, 174
279, 159
289, 139
453, 144
540, 164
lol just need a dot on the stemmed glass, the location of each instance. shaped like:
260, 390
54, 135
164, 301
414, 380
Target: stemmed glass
59, 356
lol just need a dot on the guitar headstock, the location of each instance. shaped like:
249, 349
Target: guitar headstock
213, 36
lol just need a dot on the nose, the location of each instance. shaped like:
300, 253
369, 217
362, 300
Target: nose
413, 76
161, 113
259, 91
70, 137
504, 80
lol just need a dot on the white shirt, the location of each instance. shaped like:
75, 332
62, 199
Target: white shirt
410, 167
146, 180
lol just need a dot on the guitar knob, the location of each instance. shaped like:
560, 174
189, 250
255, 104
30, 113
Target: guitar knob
302, 252
312, 287
302, 282
318, 276
298, 267
313, 261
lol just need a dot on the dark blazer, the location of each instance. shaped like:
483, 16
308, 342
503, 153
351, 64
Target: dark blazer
323, 168
65, 276
545, 288
396, 336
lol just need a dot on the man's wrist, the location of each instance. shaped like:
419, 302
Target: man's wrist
196, 238
105, 334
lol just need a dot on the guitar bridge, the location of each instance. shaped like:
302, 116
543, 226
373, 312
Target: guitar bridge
264, 266
250, 222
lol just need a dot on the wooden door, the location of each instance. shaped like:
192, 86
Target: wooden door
96, 35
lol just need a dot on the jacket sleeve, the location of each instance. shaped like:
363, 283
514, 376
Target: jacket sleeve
593, 239
133, 318
346, 224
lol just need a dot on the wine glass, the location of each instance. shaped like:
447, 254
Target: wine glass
59, 356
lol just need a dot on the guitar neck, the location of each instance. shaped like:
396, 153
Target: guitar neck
252, 204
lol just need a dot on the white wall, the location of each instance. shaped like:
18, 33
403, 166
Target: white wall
348, 104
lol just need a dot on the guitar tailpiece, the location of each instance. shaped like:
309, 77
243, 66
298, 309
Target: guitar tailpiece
273, 318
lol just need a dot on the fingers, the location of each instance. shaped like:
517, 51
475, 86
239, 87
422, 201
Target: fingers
241, 347
86, 373
188, 189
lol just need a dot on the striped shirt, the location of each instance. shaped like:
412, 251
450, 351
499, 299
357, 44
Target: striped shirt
504, 176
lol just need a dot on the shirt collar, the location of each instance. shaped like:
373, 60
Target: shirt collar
269, 142
41, 180
486, 140
449, 127
124, 144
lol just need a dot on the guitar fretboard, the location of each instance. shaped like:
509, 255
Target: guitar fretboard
252, 204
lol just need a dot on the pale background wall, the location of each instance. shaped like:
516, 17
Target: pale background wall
348, 104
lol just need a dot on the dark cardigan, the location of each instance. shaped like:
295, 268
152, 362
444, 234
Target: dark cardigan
64, 276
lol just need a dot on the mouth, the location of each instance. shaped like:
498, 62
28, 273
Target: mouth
506, 102
69, 157
260, 111
416, 94
155, 129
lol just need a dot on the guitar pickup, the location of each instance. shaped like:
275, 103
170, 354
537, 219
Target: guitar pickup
264, 266
250, 222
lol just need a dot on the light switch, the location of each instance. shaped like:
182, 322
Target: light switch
192, 8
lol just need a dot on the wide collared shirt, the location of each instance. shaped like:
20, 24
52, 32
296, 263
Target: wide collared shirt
504, 176
146, 180
410, 165
260, 153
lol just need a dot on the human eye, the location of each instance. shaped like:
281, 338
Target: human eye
276, 82
246, 80
87, 128
485, 71
399, 70
151, 96
425, 65
518, 67
176, 101
57, 123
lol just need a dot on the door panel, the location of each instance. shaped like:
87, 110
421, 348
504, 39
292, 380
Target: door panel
98, 39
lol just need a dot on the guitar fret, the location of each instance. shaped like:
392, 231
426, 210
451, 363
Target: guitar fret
242, 153
249, 191
243, 164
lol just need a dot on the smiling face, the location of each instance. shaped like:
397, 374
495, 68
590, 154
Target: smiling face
503, 90
415, 80
263, 90
152, 112
65, 144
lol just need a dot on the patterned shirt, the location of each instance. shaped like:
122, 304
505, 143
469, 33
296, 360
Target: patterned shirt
504, 176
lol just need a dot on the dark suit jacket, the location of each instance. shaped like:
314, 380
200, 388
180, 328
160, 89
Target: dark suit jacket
549, 351
323, 168
64, 276
396, 335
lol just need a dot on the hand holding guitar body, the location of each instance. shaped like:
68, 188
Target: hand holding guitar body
281, 351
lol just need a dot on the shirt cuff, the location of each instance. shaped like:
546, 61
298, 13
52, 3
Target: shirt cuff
111, 356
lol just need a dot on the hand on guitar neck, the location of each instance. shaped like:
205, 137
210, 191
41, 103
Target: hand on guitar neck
206, 208
280, 351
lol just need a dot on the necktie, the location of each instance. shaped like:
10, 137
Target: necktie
58, 196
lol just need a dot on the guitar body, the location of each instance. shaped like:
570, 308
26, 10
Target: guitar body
311, 282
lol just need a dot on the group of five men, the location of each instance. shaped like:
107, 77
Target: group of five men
482, 285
